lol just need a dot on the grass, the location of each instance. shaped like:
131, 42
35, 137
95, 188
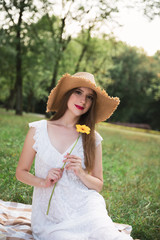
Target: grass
130, 165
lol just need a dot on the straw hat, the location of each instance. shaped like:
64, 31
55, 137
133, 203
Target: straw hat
105, 105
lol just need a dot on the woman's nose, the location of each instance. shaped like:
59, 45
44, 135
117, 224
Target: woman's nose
83, 99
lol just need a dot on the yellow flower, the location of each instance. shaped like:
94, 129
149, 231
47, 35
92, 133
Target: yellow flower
83, 129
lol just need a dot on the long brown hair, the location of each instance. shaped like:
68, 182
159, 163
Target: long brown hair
88, 119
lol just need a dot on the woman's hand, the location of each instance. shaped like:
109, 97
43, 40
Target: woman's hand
53, 176
73, 163
92, 179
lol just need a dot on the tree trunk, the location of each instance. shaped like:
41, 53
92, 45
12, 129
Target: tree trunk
30, 101
10, 102
62, 45
55, 72
18, 84
80, 58
84, 49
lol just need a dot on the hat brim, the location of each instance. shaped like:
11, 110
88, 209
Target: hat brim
105, 105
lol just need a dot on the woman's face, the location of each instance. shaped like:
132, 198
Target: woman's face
80, 101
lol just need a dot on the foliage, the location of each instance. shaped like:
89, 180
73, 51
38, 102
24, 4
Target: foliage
41, 36
49, 49
130, 166
7, 63
155, 82
85, 16
13, 13
135, 79
151, 8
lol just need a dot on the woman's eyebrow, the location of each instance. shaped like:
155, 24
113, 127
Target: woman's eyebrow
79, 89
89, 94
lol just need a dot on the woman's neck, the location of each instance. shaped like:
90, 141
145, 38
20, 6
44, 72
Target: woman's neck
68, 120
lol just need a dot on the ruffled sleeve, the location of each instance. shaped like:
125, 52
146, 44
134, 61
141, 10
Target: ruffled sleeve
98, 138
37, 125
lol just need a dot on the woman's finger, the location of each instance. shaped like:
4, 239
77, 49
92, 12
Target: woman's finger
71, 156
55, 175
77, 159
55, 170
74, 164
77, 170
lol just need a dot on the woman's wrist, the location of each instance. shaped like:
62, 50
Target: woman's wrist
90, 181
82, 174
42, 183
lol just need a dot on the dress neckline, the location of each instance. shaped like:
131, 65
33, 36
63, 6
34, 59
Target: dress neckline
52, 146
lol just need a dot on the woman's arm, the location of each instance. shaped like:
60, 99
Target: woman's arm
25, 163
93, 180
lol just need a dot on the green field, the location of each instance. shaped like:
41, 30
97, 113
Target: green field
131, 172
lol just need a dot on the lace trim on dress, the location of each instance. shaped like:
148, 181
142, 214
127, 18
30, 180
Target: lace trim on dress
39, 135
36, 137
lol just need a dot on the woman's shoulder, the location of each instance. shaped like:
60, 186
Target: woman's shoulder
38, 123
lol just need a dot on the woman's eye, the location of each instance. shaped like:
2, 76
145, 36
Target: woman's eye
77, 92
90, 98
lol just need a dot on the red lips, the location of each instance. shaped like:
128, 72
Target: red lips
79, 107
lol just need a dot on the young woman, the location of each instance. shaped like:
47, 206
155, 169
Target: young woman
77, 211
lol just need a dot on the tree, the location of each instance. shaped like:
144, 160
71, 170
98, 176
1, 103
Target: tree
151, 8
7, 69
58, 17
153, 92
87, 16
14, 22
132, 76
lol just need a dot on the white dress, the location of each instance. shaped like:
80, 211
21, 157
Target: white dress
76, 212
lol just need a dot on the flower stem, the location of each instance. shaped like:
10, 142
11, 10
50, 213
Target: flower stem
61, 169
72, 149
51, 198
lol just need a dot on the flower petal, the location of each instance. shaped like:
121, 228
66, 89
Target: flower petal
83, 129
